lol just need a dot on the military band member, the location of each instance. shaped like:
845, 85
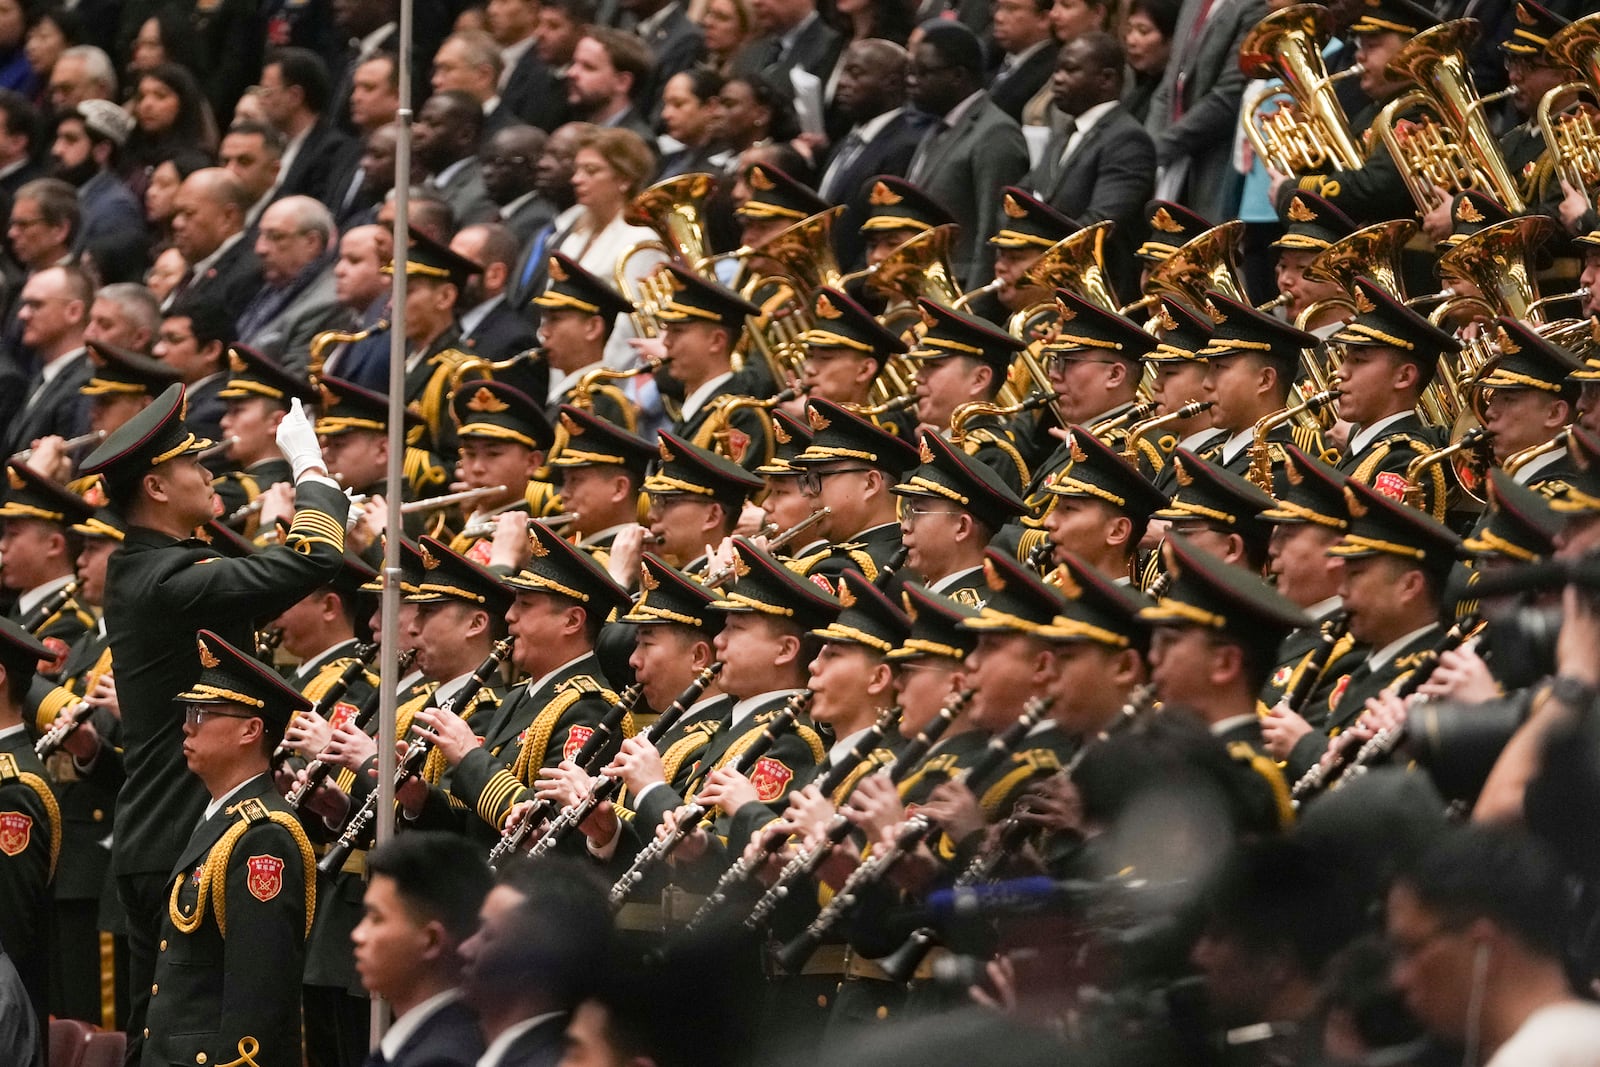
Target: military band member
851, 467
777, 201
30, 825
123, 384
1311, 225
503, 438
1529, 399
600, 471
1390, 356
1100, 508
1218, 513
950, 509
579, 313
786, 504
897, 212
1171, 227
37, 553
1100, 658
1522, 526
1030, 227
696, 498
1532, 72
1217, 631
257, 394
846, 352
155, 483
1178, 379
243, 889
353, 426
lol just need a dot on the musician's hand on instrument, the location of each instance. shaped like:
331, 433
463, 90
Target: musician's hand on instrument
510, 545
627, 547
284, 777
917, 871
1461, 675
600, 825
447, 732
308, 733
1573, 207
1578, 644
874, 805
1275, 182
1438, 223
638, 764
955, 809
562, 784
809, 812
727, 789
348, 747
326, 800
999, 991
1384, 712
83, 743
104, 695
1154, 533
277, 502
694, 843
651, 350
520, 811
720, 560
752, 517
49, 458
1056, 806
1281, 729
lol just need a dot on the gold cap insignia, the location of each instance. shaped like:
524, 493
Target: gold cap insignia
883, 196
1065, 582
929, 319
926, 453
846, 597
647, 579
825, 308
1182, 471
236, 362
557, 272
330, 399
1013, 209
537, 546
910, 606
991, 577
202, 534
429, 560
1353, 502
666, 453
1299, 212
208, 658
1164, 222
1508, 346
16, 480
817, 419
759, 180
740, 567
573, 427
779, 434
485, 400
700, 186
1165, 318
1467, 211
1217, 315
1525, 16
1364, 302
1064, 313
1078, 454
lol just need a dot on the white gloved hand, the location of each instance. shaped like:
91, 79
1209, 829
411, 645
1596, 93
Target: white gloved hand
297, 440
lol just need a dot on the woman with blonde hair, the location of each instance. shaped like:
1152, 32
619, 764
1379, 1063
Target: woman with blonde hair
728, 25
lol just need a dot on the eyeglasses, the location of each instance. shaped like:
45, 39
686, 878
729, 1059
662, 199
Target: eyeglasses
910, 515
1060, 362
196, 715
811, 481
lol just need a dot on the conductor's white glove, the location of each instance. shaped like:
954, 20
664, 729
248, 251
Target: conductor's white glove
297, 440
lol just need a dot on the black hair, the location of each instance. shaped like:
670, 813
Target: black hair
441, 877
208, 319
21, 118
303, 69
562, 925
956, 45
1277, 897
1164, 13
782, 126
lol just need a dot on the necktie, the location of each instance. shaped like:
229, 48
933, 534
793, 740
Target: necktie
1068, 132
1188, 55
916, 172
536, 257
848, 152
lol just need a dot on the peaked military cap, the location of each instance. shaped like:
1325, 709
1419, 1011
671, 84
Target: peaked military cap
1099, 473
354, 574
936, 628
839, 322
869, 618
1381, 526
1393, 16
1097, 608
593, 441
694, 299
103, 525
688, 469
1019, 600
1530, 37
1211, 494
121, 371
839, 433
1239, 329
1220, 596
790, 436
411, 569
252, 374
571, 288
1183, 332
895, 204
1171, 227
430, 259
1471, 211
948, 473
1528, 361
950, 333
349, 408
1029, 222
1311, 492
448, 575
1583, 484
499, 412
229, 676
1383, 322
19, 648
764, 586
33, 496
152, 437
1086, 325
774, 194
1521, 525
560, 569
1312, 223
668, 597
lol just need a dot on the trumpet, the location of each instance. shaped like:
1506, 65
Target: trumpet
450, 500
1260, 473
485, 526
1140, 430
717, 578
70, 445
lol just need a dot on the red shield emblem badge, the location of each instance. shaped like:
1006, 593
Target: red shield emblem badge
265, 877
1391, 485
1338, 692
16, 829
342, 713
738, 443
769, 777
577, 737
58, 656
480, 551
821, 582
1280, 677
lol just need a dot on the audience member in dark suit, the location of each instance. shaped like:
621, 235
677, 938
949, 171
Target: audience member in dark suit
432, 885
1022, 30
295, 91
1103, 165
24, 129
973, 150
1147, 39
883, 135
371, 27
53, 310
674, 40
610, 73
298, 297
689, 102
469, 62
208, 228
194, 339
446, 143
490, 326
86, 152
793, 34
529, 87
508, 160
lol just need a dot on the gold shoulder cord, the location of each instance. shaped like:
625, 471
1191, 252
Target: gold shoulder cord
214, 874
10, 772
1031, 763
1268, 770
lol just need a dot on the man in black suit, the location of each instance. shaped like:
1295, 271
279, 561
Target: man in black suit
793, 35
53, 310
446, 134
1022, 31
295, 89
610, 72
24, 131
490, 326
422, 901
209, 228
372, 29
508, 161
529, 87
871, 95
194, 339
1102, 166
470, 62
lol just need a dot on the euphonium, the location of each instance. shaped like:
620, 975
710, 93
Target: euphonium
1077, 263
1288, 45
1466, 458
1210, 261
327, 338
917, 267
719, 434
675, 209
1577, 45
1566, 118
1373, 252
1497, 260
1261, 449
1458, 150
648, 294
485, 367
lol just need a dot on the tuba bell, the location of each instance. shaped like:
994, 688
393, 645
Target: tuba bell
1497, 260
1308, 130
676, 209
1210, 261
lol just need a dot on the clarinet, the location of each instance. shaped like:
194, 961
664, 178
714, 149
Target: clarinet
603, 788
806, 861
792, 956
317, 770
66, 722
663, 846
901, 964
1314, 779
896, 561
416, 754
742, 870
1039, 555
49, 606
607, 728
365, 654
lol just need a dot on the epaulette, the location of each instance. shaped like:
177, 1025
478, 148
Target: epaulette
1025, 765
252, 811
583, 683
421, 471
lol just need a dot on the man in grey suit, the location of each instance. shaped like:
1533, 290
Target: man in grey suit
973, 150
1102, 165
1194, 113
445, 139
298, 299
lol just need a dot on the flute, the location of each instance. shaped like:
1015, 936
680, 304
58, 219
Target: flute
778, 542
485, 526
217, 449
465, 496
71, 444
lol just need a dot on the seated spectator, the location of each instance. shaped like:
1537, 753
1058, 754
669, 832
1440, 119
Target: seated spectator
125, 314
164, 37
45, 220
608, 78
688, 104
727, 26
295, 242
83, 72
509, 161
161, 191
754, 110
166, 271
528, 87
490, 327
1147, 40
253, 153
193, 340
295, 89
87, 153
50, 33
171, 117
208, 228
15, 71
21, 146
445, 139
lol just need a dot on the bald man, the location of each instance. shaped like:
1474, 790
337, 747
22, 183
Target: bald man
208, 225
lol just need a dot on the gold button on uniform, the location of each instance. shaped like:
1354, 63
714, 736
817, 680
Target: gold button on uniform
200, 1057
99, 815
154, 989
163, 944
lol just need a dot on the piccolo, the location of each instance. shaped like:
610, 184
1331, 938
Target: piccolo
691, 815
806, 861
465, 496
485, 526
66, 723
792, 956
71, 444
411, 762
609, 727
604, 787
317, 770
364, 655
778, 542
217, 449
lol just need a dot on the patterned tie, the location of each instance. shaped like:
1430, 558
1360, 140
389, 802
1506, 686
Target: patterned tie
848, 152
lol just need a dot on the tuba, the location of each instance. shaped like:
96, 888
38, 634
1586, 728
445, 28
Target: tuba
1567, 113
676, 209
1451, 145
1210, 261
1308, 130
1497, 260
